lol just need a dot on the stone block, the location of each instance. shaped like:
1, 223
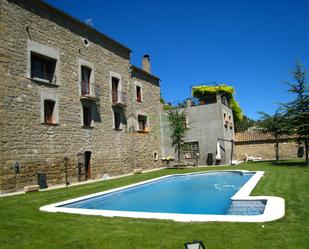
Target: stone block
137, 171
31, 188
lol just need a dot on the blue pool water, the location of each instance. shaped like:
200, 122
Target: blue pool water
206, 193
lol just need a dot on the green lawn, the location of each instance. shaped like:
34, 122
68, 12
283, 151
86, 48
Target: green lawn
22, 225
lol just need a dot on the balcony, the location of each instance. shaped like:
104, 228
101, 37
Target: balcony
119, 99
89, 90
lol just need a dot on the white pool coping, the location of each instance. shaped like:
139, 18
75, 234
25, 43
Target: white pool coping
274, 209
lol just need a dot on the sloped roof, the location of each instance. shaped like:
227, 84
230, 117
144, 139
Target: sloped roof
257, 136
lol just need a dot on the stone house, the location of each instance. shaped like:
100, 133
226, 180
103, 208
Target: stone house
209, 122
72, 106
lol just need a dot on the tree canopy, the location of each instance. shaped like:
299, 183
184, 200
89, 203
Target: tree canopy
297, 111
244, 124
276, 125
177, 120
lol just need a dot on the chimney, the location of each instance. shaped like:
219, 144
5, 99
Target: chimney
146, 63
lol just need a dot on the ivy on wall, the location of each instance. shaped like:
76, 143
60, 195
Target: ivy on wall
228, 91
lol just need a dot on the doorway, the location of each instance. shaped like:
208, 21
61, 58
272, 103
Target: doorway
87, 165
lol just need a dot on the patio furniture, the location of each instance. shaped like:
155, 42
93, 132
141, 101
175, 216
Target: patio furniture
236, 162
252, 158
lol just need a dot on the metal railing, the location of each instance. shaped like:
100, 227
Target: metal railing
89, 89
119, 98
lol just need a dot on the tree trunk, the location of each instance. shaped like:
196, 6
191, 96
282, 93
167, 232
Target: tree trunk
178, 155
306, 151
277, 150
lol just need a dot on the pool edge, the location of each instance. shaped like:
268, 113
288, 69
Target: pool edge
274, 209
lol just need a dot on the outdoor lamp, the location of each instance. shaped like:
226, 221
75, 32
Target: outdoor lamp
196, 158
195, 245
16, 167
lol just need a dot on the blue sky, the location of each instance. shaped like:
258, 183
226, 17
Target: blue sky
250, 44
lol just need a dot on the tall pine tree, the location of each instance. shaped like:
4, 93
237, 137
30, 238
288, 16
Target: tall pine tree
297, 111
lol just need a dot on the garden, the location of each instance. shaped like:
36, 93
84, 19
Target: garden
24, 226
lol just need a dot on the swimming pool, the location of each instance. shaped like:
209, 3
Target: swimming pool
206, 196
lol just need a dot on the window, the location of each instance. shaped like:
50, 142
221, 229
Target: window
115, 84
117, 121
142, 123
49, 111
85, 77
225, 119
87, 116
190, 150
155, 156
49, 107
230, 122
42, 67
224, 100
86, 72
86, 42
138, 94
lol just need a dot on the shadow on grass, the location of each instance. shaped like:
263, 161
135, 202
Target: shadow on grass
289, 163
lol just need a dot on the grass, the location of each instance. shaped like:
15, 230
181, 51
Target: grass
22, 225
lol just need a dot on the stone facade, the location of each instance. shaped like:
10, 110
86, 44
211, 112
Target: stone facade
33, 27
263, 145
206, 123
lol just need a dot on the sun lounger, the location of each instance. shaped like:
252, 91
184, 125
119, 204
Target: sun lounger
236, 162
252, 158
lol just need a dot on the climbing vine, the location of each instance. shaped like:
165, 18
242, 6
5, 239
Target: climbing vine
202, 91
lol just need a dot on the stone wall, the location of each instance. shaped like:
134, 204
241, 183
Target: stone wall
266, 150
41, 148
147, 144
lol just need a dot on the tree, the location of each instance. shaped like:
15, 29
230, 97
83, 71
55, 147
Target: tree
244, 124
182, 104
177, 121
297, 111
276, 125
